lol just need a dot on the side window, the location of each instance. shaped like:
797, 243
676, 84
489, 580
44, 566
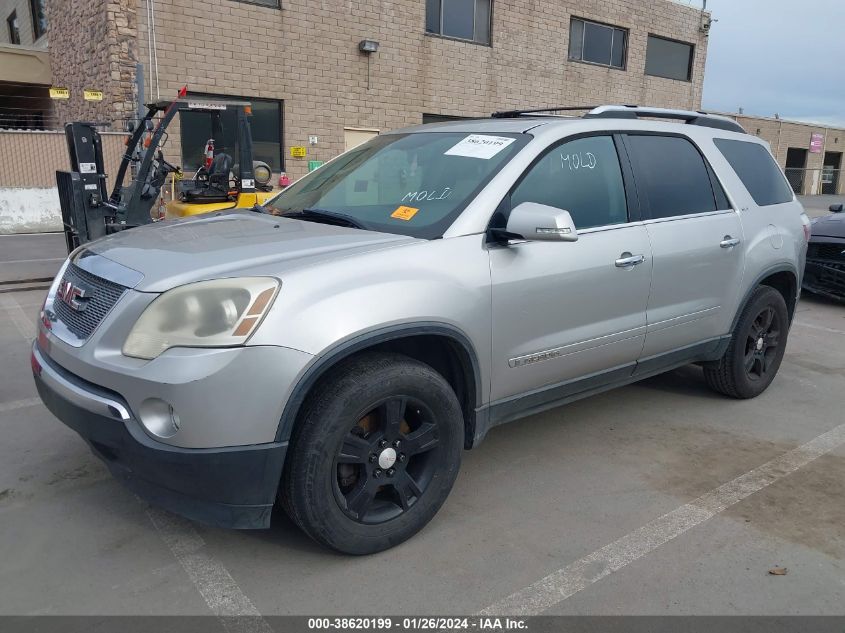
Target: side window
671, 175
581, 176
757, 170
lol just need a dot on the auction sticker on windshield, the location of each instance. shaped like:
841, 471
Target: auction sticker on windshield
480, 146
404, 213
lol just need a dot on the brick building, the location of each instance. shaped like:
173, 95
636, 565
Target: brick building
810, 154
299, 61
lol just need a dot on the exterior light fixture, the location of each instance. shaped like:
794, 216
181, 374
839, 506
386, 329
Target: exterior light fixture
368, 46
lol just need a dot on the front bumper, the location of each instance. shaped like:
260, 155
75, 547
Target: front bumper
226, 487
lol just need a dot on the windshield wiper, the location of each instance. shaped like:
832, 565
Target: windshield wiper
329, 217
260, 208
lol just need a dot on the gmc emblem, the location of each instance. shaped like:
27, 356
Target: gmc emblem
73, 295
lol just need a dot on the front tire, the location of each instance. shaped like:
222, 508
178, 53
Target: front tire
374, 454
756, 349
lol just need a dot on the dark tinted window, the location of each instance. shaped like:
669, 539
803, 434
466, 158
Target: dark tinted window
583, 177
757, 170
14, 30
38, 10
266, 123
667, 58
462, 19
672, 175
597, 43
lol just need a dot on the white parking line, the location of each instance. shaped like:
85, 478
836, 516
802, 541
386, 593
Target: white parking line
24, 324
30, 261
822, 328
566, 582
214, 582
19, 404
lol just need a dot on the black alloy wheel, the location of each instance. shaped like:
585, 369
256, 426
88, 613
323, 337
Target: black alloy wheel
756, 348
387, 460
761, 348
374, 453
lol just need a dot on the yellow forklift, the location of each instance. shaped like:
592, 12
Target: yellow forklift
221, 182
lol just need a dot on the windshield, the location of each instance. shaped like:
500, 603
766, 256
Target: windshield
411, 184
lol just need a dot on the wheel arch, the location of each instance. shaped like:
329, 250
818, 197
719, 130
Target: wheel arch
784, 279
442, 346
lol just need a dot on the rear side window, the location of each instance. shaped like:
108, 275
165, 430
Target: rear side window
581, 176
671, 175
757, 170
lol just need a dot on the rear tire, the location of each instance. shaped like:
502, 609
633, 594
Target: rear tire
374, 454
756, 349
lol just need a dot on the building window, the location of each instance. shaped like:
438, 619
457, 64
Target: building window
669, 59
461, 19
14, 31
272, 4
596, 43
38, 10
266, 125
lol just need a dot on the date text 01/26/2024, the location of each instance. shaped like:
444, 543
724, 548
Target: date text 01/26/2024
417, 624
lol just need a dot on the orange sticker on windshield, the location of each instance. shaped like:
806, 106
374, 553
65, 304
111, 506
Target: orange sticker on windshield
404, 213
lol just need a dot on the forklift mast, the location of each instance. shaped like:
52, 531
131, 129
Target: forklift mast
88, 214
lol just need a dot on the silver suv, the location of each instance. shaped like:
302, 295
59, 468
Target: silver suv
337, 349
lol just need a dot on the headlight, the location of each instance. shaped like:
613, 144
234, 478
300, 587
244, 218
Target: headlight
217, 313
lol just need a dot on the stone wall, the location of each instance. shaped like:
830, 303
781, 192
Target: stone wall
93, 45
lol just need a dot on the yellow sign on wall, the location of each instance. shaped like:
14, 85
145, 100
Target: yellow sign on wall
93, 95
59, 93
298, 152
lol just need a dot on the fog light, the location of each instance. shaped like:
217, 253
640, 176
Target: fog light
159, 418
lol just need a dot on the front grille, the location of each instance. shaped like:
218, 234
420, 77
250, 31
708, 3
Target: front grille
101, 295
829, 252
832, 279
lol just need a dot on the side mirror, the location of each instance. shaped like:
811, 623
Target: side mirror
540, 222
837, 208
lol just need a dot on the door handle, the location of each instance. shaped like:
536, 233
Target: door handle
729, 242
629, 261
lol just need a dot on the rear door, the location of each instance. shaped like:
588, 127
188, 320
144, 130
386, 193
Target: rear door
696, 242
568, 310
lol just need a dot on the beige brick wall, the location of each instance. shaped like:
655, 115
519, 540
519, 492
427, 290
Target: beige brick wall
306, 54
782, 135
21, 8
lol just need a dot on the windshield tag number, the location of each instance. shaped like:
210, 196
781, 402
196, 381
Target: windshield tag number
480, 146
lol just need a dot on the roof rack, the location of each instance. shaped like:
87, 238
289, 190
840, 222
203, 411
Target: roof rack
691, 117
513, 114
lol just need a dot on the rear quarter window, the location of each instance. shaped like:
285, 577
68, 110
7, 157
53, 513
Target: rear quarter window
757, 170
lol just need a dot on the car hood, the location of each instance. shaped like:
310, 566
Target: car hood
832, 225
168, 254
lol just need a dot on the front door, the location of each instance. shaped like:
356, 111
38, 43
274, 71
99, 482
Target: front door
696, 241
566, 311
